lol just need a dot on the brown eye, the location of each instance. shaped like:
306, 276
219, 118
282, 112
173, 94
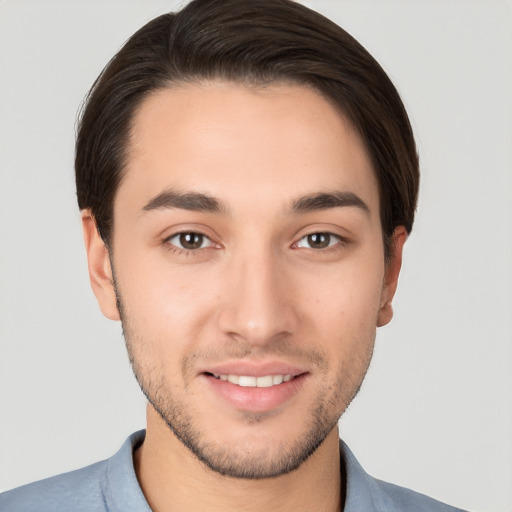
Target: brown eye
318, 241
190, 241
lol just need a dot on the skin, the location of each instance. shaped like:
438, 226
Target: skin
256, 292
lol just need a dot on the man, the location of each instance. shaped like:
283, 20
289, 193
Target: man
247, 177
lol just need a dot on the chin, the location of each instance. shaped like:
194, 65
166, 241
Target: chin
252, 450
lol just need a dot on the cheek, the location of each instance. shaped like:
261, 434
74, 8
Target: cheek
161, 300
347, 296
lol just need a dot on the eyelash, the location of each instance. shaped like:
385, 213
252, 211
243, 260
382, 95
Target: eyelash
339, 242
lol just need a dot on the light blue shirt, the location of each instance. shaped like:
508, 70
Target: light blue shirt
112, 486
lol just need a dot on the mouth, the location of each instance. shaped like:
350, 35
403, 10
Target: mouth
263, 392
250, 381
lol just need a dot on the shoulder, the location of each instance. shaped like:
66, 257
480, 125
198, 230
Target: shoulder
80, 490
395, 498
364, 492
110, 485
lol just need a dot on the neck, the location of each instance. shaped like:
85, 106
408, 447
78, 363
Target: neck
173, 479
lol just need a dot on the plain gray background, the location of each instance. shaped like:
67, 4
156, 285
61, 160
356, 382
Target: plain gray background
435, 413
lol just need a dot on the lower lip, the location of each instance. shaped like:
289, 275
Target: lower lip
255, 399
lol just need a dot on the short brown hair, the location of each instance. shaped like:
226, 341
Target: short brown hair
255, 42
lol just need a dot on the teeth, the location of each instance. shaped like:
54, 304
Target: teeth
265, 382
247, 381
234, 379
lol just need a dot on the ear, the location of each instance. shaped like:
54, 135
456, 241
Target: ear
391, 274
100, 269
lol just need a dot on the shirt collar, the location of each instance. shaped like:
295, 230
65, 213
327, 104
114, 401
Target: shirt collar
123, 493
359, 486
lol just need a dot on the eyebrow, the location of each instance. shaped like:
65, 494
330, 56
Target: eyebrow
193, 201
197, 201
325, 201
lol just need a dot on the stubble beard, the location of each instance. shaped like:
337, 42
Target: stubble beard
228, 459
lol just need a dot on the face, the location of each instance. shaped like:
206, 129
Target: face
248, 261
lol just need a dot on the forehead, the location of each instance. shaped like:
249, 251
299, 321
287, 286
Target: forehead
244, 144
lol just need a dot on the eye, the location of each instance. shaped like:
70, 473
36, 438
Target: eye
318, 241
189, 241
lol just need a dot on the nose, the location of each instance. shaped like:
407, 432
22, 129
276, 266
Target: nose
258, 304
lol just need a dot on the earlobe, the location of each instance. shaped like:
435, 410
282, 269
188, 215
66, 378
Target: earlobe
100, 269
392, 272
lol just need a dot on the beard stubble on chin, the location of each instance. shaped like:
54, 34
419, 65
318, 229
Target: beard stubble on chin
234, 460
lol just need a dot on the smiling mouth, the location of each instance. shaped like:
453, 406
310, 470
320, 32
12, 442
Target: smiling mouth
249, 381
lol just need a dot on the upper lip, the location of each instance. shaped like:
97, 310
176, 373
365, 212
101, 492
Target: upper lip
254, 368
